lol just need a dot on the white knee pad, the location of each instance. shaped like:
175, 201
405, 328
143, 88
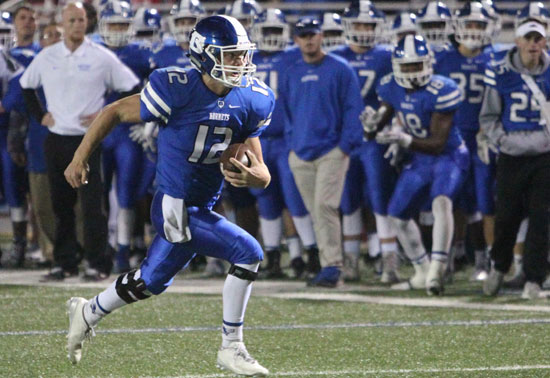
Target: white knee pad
442, 208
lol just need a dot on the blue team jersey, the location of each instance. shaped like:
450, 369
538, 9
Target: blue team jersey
520, 111
415, 108
370, 68
170, 54
25, 54
197, 126
468, 74
268, 70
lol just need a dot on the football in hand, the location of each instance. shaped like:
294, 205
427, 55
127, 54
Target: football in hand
236, 151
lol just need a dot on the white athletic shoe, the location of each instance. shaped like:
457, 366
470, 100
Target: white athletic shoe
79, 330
434, 280
417, 281
531, 290
236, 358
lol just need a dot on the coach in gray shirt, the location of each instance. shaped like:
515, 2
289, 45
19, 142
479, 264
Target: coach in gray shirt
511, 120
75, 74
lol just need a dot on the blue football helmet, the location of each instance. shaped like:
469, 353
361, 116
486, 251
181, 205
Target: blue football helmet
363, 24
404, 24
270, 31
435, 22
534, 11
410, 51
183, 18
245, 11
217, 39
115, 22
472, 26
7, 31
146, 26
333, 32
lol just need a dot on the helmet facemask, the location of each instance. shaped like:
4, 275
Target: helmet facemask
436, 32
472, 33
270, 37
362, 33
114, 32
412, 73
225, 70
181, 27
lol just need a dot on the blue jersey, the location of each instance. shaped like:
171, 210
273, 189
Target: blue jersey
370, 68
468, 74
268, 70
415, 108
322, 103
13, 100
520, 110
25, 54
170, 54
198, 125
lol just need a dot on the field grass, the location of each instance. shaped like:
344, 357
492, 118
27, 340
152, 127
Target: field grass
178, 335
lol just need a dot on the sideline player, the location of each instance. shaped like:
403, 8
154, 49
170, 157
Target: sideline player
202, 112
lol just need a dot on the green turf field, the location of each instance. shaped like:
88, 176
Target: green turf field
178, 335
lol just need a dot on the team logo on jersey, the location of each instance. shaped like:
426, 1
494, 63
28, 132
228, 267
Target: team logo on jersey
221, 103
84, 67
310, 78
219, 116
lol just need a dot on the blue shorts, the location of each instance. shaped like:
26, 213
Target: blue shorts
122, 156
211, 235
14, 178
427, 177
381, 177
282, 191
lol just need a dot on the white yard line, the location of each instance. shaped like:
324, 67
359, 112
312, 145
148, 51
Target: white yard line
376, 372
460, 323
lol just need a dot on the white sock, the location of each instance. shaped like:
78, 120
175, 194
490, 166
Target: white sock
272, 230
294, 247
518, 263
443, 229
102, 304
18, 214
235, 298
388, 248
304, 227
125, 226
409, 236
373, 245
352, 247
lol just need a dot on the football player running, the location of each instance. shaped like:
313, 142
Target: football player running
369, 172
202, 110
271, 33
464, 62
425, 104
121, 154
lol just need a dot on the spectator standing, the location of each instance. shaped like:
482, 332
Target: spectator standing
75, 75
321, 99
514, 117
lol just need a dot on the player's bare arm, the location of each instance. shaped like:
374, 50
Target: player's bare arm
255, 176
124, 110
440, 126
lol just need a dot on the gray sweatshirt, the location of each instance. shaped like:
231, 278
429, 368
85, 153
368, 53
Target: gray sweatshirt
519, 142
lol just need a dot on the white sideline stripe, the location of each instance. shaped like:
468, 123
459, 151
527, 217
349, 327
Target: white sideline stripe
391, 371
414, 302
467, 323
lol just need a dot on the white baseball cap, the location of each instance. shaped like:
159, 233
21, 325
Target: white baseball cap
528, 27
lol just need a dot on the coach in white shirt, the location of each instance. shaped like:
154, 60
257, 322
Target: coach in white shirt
75, 74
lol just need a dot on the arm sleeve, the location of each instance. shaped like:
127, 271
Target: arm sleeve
155, 98
31, 77
351, 105
119, 77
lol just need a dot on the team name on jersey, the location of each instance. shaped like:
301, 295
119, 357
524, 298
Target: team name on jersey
219, 116
264, 66
357, 63
310, 78
469, 67
406, 105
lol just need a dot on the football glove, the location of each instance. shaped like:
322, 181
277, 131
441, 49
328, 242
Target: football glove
370, 119
484, 146
394, 136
